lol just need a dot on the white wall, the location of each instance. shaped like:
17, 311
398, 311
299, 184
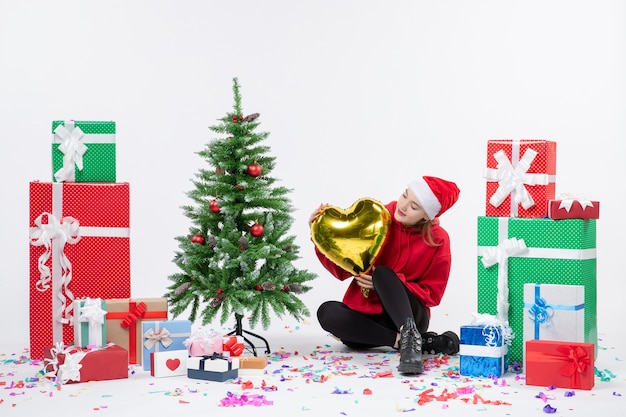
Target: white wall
359, 97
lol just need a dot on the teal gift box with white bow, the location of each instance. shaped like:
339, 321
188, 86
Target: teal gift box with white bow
163, 336
83, 151
90, 322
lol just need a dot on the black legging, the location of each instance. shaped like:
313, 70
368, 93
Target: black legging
360, 330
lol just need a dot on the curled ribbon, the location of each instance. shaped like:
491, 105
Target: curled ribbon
73, 150
500, 255
541, 312
152, 338
69, 370
51, 365
567, 200
64, 231
494, 329
512, 180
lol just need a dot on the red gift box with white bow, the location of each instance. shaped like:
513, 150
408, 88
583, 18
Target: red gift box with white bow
573, 208
520, 176
79, 247
560, 364
72, 364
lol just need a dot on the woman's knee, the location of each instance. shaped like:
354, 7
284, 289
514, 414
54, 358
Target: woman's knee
326, 310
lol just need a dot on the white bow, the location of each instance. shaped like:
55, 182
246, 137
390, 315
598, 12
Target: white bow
568, 199
73, 150
513, 180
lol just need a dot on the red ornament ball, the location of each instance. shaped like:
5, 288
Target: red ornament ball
198, 239
254, 170
214, 206
257, 230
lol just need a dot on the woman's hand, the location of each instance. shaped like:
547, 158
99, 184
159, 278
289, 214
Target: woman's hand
364, 281
317, 212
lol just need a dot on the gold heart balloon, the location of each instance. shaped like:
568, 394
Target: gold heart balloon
353, 237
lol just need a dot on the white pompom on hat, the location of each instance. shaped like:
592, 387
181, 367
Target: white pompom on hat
435, 195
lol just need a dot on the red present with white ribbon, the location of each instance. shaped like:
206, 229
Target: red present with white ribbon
79, 247
72, 364
570, 206
520, 177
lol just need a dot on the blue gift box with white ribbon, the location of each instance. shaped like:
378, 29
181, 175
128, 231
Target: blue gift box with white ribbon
483, 351
554, 312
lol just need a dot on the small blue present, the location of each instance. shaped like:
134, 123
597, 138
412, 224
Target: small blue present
214, 367
483, 351
163, 336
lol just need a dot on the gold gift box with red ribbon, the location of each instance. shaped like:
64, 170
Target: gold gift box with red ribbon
124, 322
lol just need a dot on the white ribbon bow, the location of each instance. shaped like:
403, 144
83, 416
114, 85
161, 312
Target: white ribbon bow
69, 370
92, 312
500, 255
512, 180
568, 199
64, 231
152, 338
73, 150
53, 362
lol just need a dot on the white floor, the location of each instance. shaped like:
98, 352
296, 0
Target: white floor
311, 374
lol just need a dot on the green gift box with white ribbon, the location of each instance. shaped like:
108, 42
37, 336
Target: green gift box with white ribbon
83, 151
517, 251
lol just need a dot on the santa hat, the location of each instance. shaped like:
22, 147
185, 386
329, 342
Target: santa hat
435, 195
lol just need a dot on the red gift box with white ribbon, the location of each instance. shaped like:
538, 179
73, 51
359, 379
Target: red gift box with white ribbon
520, 176
573, 207
79, 247
73, 364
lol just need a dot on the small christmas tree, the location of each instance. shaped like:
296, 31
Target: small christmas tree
238, 256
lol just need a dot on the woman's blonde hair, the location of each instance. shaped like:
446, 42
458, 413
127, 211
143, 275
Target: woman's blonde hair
425, 228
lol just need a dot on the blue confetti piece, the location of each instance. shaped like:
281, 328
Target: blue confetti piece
549, 409
569, 393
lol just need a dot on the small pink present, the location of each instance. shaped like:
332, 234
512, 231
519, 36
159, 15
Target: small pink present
202, 343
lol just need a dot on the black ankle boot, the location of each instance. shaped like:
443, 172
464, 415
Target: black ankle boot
446, 343
410, 347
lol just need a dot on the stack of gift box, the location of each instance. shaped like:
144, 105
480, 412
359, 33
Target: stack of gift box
83, 321
536, 273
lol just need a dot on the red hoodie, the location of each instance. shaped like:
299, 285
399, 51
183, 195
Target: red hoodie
424, 269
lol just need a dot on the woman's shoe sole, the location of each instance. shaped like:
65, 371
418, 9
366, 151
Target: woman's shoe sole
411, 368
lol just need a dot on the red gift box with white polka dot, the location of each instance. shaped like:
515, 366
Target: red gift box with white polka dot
521, 177
79, 247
